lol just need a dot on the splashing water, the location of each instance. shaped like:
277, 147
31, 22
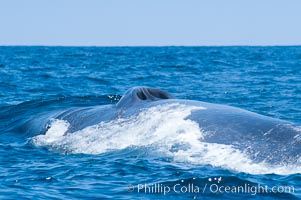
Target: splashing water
164, 129
154, 126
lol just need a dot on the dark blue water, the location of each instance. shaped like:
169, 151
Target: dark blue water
38, 80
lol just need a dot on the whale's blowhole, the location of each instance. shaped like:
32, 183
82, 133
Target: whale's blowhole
138, 94
159, 94
141, 95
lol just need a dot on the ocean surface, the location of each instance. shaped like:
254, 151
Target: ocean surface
110, 162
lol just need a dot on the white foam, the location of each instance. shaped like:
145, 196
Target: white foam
166, 129
55, 132
151, 126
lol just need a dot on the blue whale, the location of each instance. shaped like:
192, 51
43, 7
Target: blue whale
263, 138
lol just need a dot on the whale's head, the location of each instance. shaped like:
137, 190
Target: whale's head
140, 94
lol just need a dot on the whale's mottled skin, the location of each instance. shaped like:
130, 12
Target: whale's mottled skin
262, 137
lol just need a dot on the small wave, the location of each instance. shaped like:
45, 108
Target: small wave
14, 102
164, 129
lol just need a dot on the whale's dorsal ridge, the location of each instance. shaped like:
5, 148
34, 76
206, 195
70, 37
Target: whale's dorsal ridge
140, 94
